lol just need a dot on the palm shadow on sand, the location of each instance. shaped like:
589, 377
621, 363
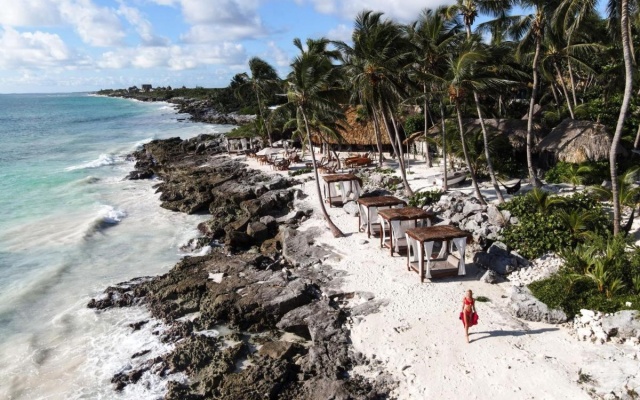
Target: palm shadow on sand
500, 333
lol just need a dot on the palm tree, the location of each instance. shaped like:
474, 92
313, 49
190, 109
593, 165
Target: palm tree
530, 30
470, 9
625, 36
460, 82
263, 78
433, 36
376, 68
575, 174
310, 86
628, 194
569, 18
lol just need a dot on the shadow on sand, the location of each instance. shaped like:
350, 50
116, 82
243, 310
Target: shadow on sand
500, 333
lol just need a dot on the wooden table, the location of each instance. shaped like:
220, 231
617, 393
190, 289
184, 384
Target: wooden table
330, 193
376, 203
395, 216
421, 241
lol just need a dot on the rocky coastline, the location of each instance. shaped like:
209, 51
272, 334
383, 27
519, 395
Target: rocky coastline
200, 110
256, 317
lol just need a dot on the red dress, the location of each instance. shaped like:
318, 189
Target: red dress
472, 317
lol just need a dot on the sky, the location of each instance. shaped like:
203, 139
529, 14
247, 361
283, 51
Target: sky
86, 45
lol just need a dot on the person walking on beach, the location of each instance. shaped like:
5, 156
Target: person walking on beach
468, 313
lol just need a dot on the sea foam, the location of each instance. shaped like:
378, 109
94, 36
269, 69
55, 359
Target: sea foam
101, 161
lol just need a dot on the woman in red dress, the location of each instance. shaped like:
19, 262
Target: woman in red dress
468, 313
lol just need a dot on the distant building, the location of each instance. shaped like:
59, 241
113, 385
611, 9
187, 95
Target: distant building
146, 88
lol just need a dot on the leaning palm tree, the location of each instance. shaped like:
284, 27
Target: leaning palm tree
461, 82
263, 79
530, 30
309, 91
468, 9
376, 68
623, 7
433, 36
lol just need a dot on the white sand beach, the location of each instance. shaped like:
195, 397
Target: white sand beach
417, 336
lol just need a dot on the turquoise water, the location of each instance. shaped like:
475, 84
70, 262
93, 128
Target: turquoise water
70, 226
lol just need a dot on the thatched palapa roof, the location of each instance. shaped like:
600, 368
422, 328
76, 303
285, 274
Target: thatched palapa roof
516, 129
359, 133
576, 142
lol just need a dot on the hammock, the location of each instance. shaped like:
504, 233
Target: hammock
512, 189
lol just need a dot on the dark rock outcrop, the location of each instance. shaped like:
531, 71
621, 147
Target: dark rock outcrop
258, 295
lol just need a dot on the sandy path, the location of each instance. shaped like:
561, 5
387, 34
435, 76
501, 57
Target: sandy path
419, 339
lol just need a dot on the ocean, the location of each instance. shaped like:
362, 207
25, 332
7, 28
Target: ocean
70, 225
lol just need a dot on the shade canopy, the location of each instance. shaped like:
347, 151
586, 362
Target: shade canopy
269, 150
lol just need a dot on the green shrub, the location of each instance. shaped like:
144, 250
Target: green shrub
384, 171
301, 171
555, 174
563, 292
546, 226
422, 199
599, 275
414, 123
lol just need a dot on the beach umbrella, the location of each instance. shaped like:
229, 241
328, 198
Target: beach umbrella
267, 151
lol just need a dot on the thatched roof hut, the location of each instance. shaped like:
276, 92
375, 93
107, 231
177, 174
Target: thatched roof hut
356, 132
575, 142
515, 129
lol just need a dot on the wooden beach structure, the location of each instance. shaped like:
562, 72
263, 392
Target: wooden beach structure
421, 243
242, 143
396, 221
368, 207
340, 188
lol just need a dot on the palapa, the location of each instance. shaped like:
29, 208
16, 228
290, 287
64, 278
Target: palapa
575, 141
515, 129
355, 132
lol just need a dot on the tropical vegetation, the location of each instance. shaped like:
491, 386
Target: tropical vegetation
558, 59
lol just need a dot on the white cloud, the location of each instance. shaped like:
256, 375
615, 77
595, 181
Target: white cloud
173, 57
23, 13
141, 25
404, 10
341, 32
212, 33
215, 20
96, 25
32, 49
281, 58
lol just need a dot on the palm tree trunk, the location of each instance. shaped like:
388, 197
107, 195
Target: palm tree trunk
376, 129
397, 147
485, 138
573, 84
266, 126
555, 96
426, 111
615, 142
564, 90
334, 229
445, 186
476, 188
636, 143
532, 103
